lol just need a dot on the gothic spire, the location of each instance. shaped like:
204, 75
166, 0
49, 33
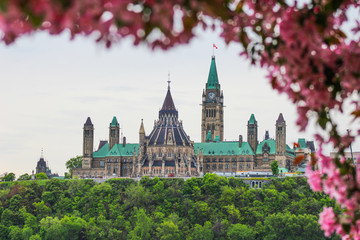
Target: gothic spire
142, 129
88, 122
280, 119
213, 81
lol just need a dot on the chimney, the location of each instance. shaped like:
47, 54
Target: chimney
240, 140
124, 141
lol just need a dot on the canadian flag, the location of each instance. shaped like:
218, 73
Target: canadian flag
215, 46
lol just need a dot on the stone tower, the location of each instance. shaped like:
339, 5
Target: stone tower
280, 135
252, 132
88, 143
212, 106
114, 131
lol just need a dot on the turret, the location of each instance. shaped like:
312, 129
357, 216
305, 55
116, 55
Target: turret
114, 130
280, 135
88, 143
252, 132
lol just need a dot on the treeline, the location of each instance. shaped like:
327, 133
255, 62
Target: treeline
211, 207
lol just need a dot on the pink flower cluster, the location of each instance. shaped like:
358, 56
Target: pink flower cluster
327, 178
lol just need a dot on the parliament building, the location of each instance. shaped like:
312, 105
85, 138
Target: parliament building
168, 150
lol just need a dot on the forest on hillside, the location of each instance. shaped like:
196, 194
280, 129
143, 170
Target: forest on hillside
211, 207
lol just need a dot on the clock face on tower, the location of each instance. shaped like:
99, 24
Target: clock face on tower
211, 95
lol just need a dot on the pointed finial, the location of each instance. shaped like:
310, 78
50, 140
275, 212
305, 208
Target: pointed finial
42, 153
169, 81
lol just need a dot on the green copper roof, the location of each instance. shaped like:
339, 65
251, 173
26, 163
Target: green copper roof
270, 142
123, 151
217, 139
290, 151
252, 119
117, 150
114, 122
208, 136
223, 148
302, 143
283, 170
102, 151
213, 82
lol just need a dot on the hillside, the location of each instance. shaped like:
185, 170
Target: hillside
211, 207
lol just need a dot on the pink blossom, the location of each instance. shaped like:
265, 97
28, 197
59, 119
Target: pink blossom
327, 221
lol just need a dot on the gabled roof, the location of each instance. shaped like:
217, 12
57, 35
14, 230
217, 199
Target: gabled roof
252, 119
213, 81
270, 142
124, 151
88, 122
101, 144
114, 122
223, 148
102, 151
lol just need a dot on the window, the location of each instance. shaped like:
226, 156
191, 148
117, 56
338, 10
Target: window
233, 159
220, 166
207, 159
248, 166
221, 159
248, 159
227, 166
214, 166
87, 132
214, 160
207, 166
160, 154
169, 154
241, 159
233, 166
102, 163
112, 132
241, 166
227, 160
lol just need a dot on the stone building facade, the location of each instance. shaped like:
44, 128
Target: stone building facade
168, 150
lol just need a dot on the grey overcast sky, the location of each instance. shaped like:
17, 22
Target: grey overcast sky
50, 85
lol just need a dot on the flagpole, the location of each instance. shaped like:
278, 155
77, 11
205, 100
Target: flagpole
213, 50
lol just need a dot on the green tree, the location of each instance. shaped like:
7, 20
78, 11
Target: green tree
289, 226
41, 176
9, 177
41, 210
201, 232
168, 230
24, 177
275, 168
143, 226
73, 163
240, 232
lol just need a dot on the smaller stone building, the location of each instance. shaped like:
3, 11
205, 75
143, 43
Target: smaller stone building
41, 167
